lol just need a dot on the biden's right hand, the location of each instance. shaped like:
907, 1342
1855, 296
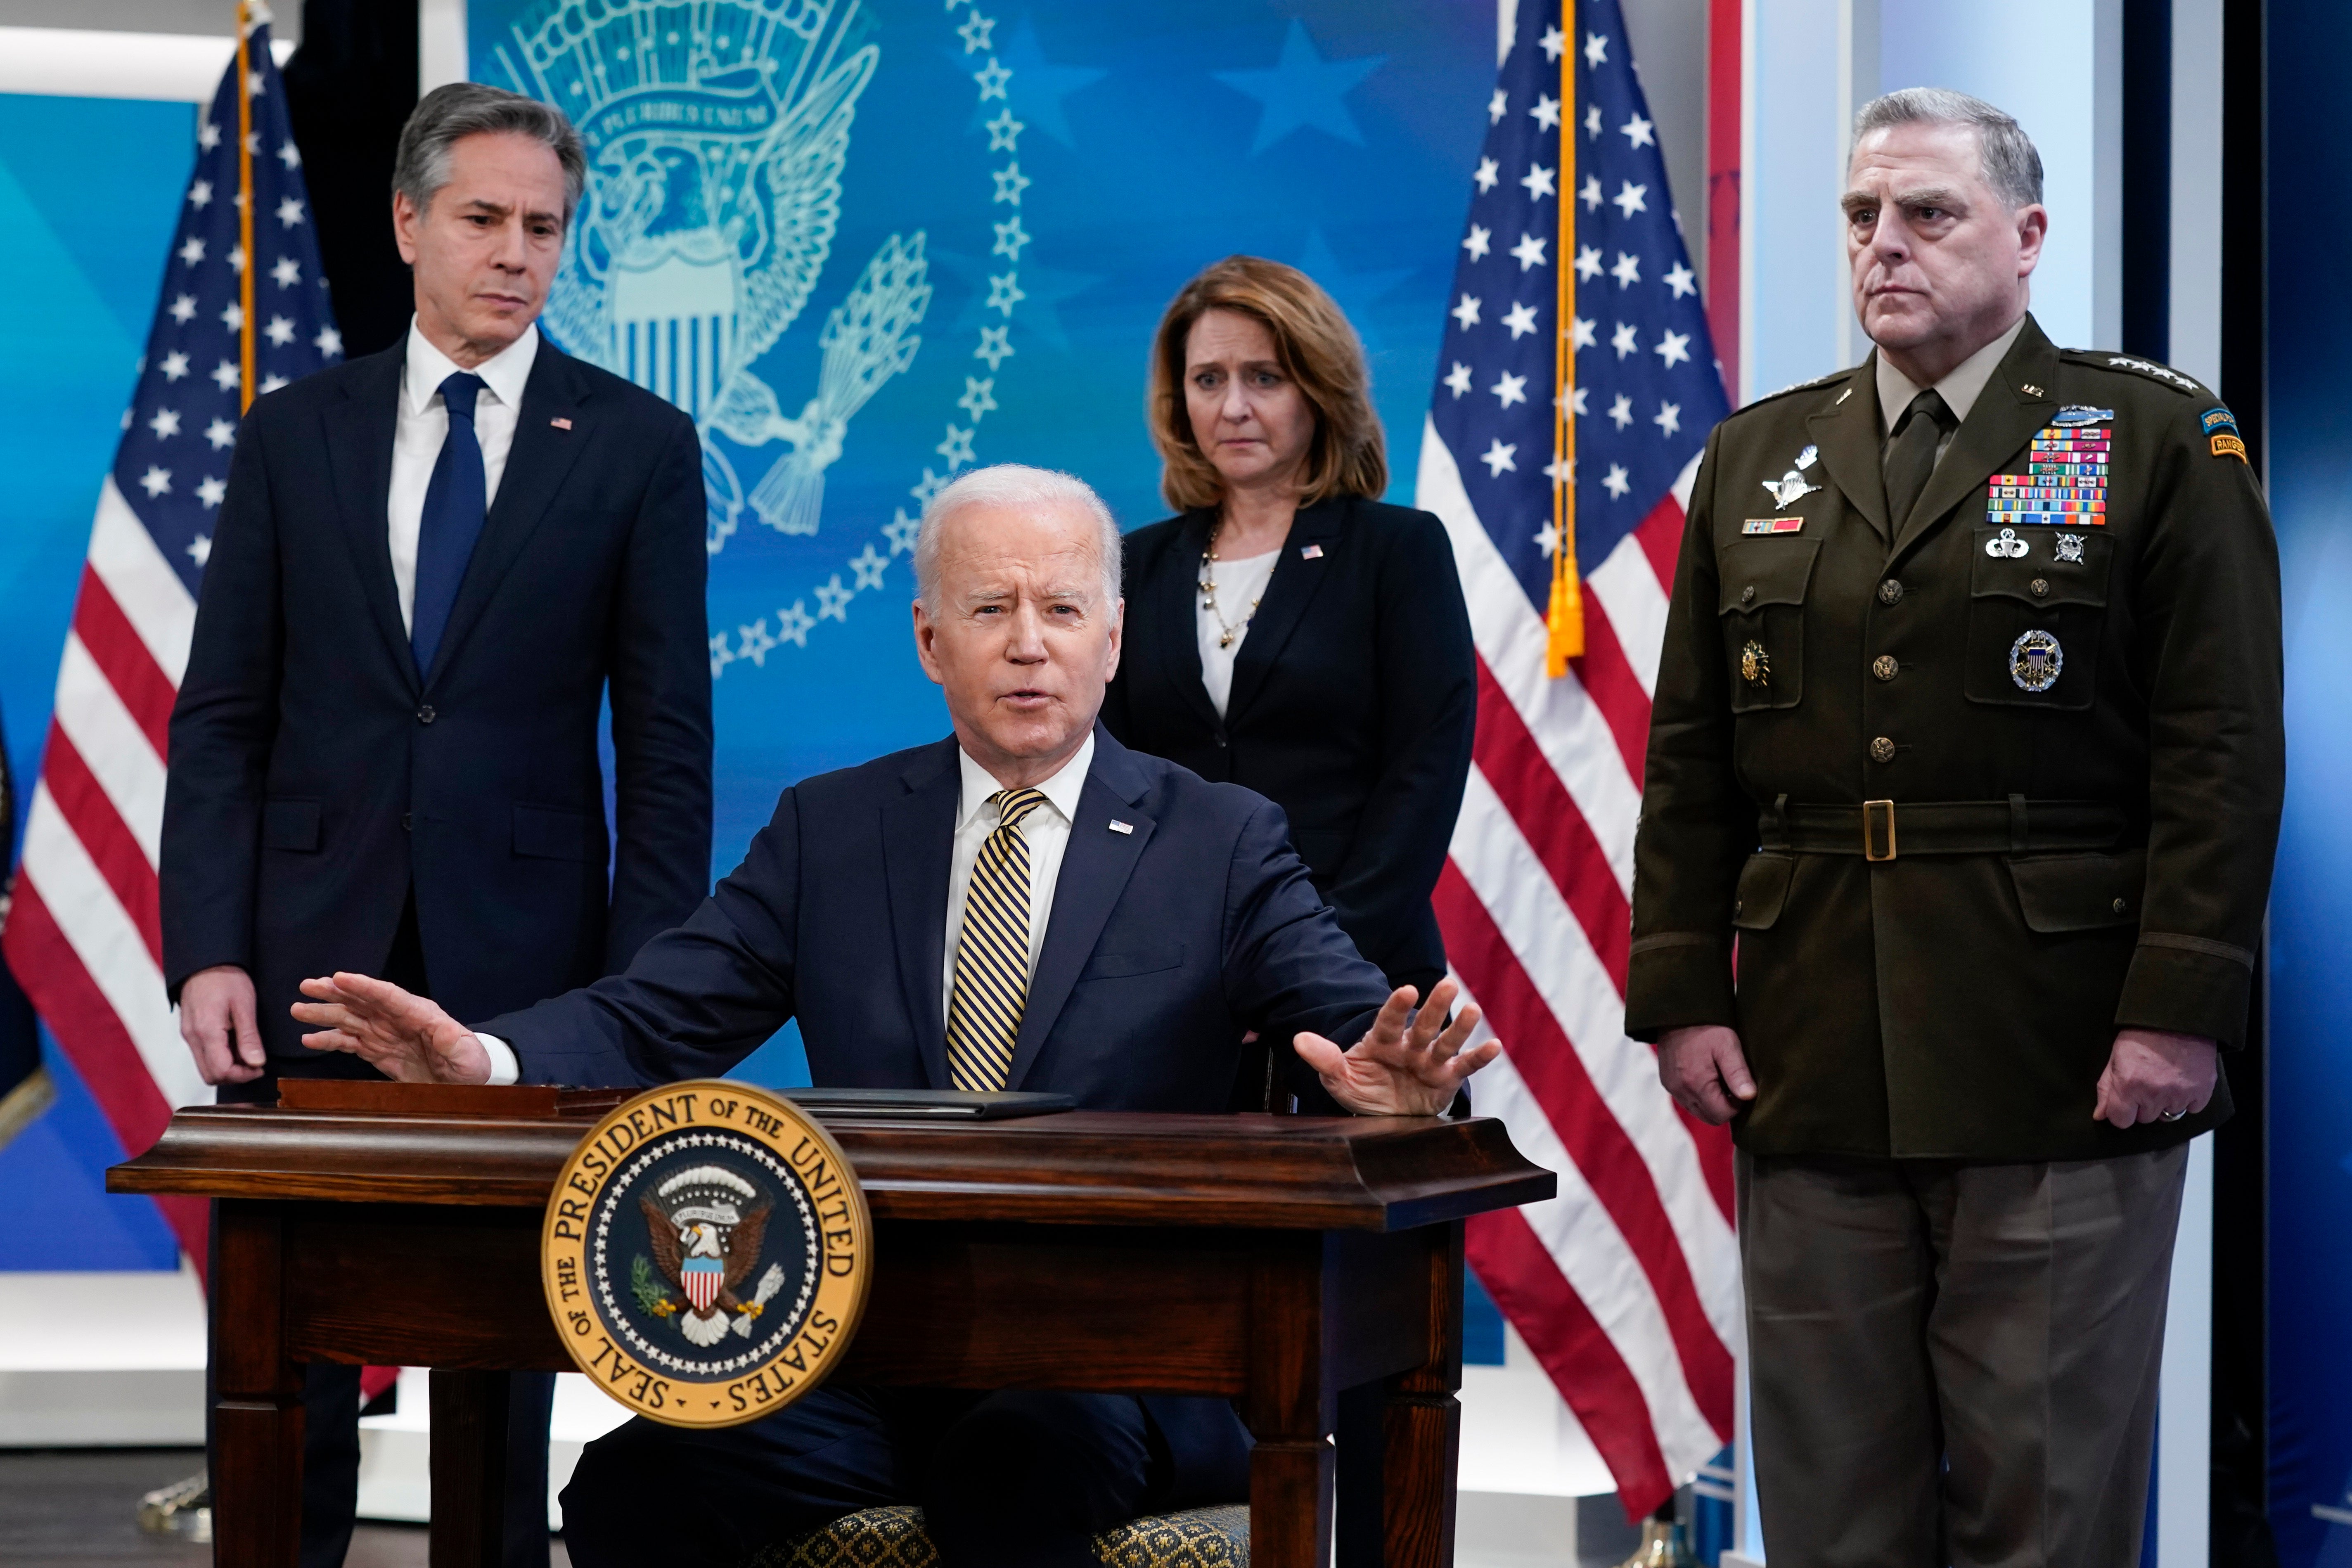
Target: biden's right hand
401, 1035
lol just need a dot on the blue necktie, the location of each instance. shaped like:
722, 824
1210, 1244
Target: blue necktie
455, 501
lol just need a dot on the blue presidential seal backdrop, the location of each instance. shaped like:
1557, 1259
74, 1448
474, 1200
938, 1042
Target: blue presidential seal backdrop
867, 244
871, 243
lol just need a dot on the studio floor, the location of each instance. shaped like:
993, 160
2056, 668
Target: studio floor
74, 1508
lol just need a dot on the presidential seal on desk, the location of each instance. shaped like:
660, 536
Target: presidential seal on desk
706, 1254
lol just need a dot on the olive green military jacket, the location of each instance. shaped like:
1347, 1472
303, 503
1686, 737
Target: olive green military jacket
2070, 695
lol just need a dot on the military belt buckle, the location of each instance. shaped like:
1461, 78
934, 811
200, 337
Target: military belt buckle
1870, 839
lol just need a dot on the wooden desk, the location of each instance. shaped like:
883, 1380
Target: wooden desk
1276, 1260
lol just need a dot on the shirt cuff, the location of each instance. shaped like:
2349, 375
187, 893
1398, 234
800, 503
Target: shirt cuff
504, 1067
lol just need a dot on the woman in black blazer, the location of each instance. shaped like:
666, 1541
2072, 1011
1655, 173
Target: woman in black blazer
1287, 631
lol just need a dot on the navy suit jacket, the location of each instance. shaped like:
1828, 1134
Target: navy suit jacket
315, 779
1166, 943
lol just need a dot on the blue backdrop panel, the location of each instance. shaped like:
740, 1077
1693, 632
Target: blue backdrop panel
2311, 911
1064, 167
89, 191
1019, 191
1004, 199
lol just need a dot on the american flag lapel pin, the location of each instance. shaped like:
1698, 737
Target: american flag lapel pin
560, 424
1310, 552
1118, 826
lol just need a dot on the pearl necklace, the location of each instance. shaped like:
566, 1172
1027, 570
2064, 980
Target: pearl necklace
1227, 632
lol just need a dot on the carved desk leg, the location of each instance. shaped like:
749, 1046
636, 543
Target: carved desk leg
469, 1468
1288, 1405
1424, 1436
257, 1458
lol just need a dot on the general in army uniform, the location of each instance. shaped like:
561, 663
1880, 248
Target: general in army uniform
1967, 743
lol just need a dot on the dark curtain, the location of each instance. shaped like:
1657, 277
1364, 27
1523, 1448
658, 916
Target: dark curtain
349, 89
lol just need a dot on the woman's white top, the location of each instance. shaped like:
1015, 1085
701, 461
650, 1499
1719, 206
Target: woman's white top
1240, 584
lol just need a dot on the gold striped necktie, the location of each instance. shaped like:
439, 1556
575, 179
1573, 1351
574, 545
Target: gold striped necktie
992, 964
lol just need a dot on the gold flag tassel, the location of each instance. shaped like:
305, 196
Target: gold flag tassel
1564, 618
244, 24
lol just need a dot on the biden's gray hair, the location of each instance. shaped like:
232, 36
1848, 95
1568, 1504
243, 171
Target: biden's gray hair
2012, 167
1015, 485
448, 115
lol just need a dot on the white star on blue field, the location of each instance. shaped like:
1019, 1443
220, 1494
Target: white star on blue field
1037, 87
1303, 91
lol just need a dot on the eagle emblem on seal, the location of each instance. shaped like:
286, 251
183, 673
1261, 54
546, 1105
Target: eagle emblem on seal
704, 1226
717, 136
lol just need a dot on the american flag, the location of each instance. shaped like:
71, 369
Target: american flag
242, 310
1626, 1285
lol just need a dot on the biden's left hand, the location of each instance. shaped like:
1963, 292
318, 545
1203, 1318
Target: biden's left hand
1409, 1063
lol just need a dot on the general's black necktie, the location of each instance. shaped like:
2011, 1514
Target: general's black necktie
455, 501
1911, 452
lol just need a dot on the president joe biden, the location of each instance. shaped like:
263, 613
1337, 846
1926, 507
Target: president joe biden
1024, 904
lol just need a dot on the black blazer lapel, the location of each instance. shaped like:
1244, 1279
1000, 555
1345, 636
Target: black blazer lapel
917, 843
1292, 587
1847, 435
359, 435
2003, 420
1176, 646
1094, 869
536, 463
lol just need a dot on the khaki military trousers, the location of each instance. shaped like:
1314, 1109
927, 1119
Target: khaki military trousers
1955, 1363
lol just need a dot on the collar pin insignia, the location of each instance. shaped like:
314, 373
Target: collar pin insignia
2030, 389
1118, 826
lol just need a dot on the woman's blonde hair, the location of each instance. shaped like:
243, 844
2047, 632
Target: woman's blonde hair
1316, 348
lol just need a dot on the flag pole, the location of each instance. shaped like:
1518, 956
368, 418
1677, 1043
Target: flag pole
1564, 617
245, 196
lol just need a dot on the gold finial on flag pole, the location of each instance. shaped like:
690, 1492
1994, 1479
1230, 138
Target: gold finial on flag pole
244, 194
1564, 617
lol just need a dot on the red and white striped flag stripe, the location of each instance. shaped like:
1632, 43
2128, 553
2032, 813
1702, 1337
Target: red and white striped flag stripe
1626, 1285
84, 934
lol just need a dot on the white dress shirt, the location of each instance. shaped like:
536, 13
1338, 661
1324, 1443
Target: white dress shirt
422, 423
1960, 388
1240, 584
1047, 829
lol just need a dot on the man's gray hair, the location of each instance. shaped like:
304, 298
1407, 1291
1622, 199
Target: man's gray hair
448, 115
1015, 485
2012, 167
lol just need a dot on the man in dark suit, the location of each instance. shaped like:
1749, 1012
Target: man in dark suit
432, 565
1028, 905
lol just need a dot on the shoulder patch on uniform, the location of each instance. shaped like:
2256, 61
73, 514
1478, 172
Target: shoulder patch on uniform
1830, 379
2163, 373
2228, 447
2220, 419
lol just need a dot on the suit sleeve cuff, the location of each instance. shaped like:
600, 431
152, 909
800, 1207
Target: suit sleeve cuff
505, 1067
2188, 986
1676, 980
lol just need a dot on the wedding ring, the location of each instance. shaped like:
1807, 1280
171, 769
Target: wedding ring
2170, 1115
